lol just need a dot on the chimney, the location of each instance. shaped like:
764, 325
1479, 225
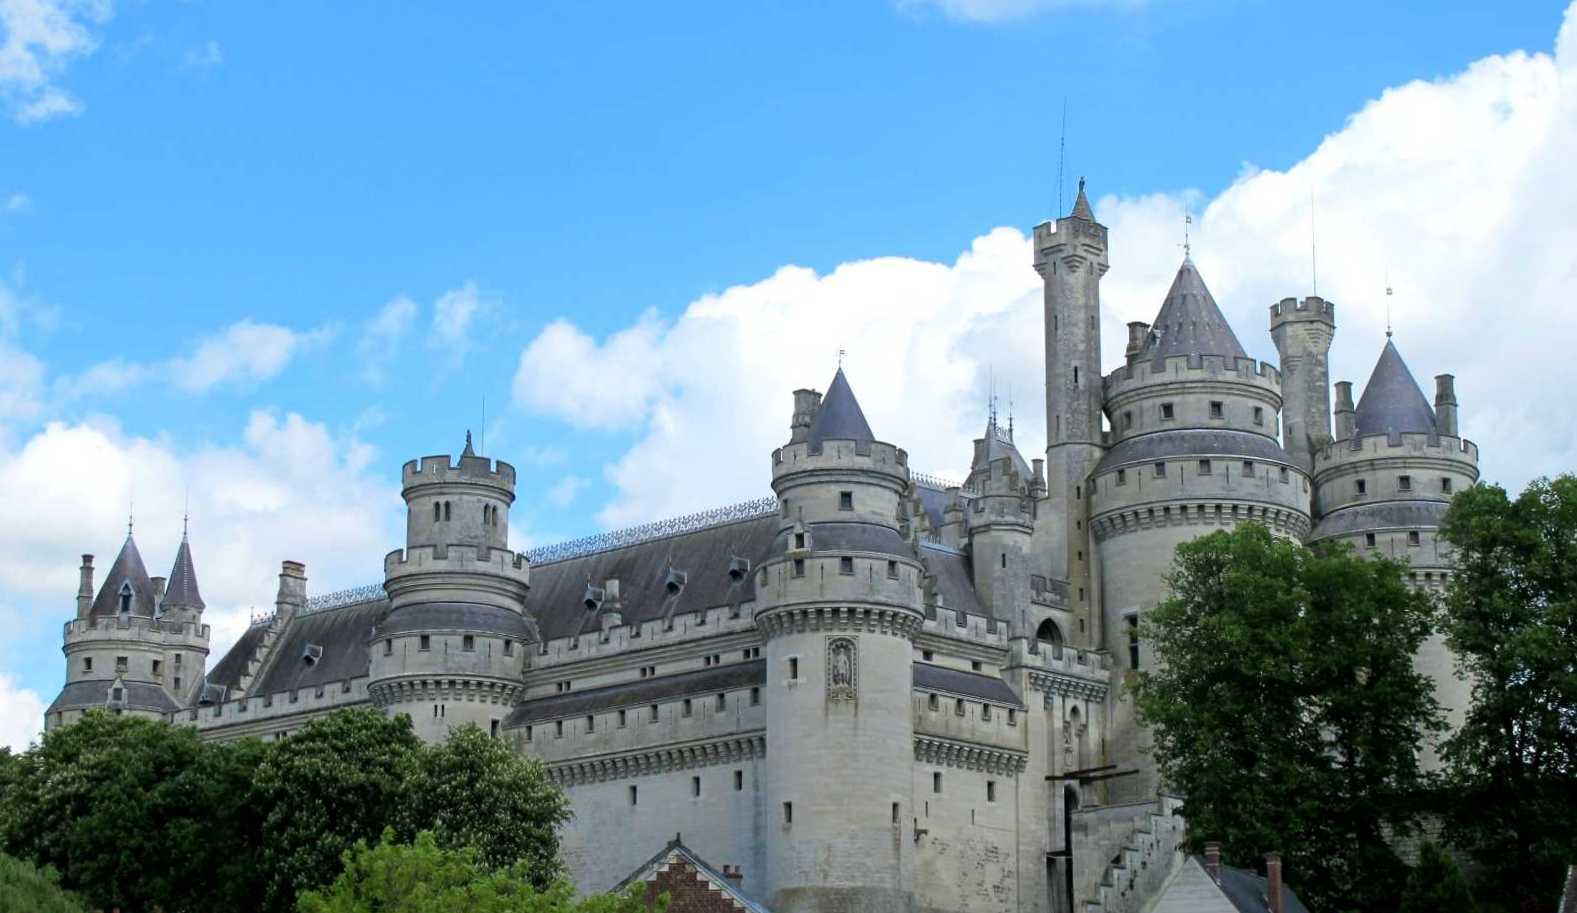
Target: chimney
1138, 333
85, 588
1038, 472
158, 593
806, 404
1273, 882
1446, 404
734, 874
292, 596
1346, 415
1213, 860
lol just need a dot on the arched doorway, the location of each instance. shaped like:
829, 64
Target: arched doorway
1049, 633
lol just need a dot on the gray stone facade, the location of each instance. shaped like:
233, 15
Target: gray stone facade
870, 690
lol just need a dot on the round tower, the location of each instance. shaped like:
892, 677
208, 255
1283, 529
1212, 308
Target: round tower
452, 648
1194, 448
1384, 484
838, 603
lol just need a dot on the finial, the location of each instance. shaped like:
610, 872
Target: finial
1010, 413
1081, 183
841, 352
1188, 219
1388, 303
131, 511
468, 450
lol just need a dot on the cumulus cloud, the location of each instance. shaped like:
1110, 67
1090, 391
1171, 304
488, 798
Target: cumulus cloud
38, 40
1458, 188
289, 488
202, 58
563, 492
21, 715
1001, 10
380, 340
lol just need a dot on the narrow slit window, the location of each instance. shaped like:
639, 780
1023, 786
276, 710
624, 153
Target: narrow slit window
788, 813
739, 781
936, 782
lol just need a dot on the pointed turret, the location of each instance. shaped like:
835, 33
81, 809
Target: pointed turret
839, 418
1081, 205
127, 589
181, 591
1190, 323
996, 444
468, 452
1392, 401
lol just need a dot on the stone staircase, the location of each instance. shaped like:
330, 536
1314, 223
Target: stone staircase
1139, 867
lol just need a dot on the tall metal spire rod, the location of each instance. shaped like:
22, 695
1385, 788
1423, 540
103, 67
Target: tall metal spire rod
1388, 303
1314, 259
1062, 150
1188, 219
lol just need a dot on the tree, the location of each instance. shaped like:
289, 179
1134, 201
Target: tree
337, 781
1511, 619
25, 888
132, 813
420, 877
1436, 885
1285, 708
474, 791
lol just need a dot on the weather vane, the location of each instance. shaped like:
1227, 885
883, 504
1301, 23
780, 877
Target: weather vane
1388, 303
841, 352
1188, 219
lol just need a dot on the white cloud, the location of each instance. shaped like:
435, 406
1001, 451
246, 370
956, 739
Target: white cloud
563, 492
1000, 10
38, 39
21, 715
380, 340
289, 488
1459, 187
18, 202
453, 313
244, 354
203, 58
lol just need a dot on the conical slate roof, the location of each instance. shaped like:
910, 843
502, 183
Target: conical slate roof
181, 591
1190, 323
840, 417
1081, 205
1392, 401
127, 570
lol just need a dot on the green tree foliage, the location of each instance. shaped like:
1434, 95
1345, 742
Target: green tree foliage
1511, 619
132, 813
1436, 885
337, 781
474, 791
421, 877
1285, 707
24, 888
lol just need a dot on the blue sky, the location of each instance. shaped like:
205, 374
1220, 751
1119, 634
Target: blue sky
258, 256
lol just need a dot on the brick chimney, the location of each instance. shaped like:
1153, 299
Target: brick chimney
1213, 860
1273, 882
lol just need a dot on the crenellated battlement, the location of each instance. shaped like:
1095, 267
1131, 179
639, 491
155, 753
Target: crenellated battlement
1195, 369
1382, 446
443, 470
152, 631
467, 558
849, 456
1310, 309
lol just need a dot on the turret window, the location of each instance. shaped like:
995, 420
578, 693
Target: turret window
1259, 415
652, 713
509, 648
845, 565
1285, 475
1413, 538
1122, 477
1132, 623
799, 567
1127, 420
958, 707
1217, 409
1167, 412
892, 570
1445, 485
177, 660
686, 708
1248, 469
1361, 486
845, 500
424, 642
158, 666
438, 511
1204, 467
1160, 470
448, 514
933, 703
87, 664
1404, 483
1368, 540
388, 646
468, 643
121, 664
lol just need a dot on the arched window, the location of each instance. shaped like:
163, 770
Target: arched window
125, 598
438, 512
1049, 633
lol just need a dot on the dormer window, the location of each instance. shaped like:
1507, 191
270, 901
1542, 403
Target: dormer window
675, 581
738, 568
125, 598
799, 540
311, 654
593, 597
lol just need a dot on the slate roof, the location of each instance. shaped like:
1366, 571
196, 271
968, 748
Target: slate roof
995, 444
128, 568
928, 677
955, 580
95, 693
181, 590
840, 417
457, 616
849, 536
342, 633
227, 672
1392, 403
558, 589
1248, 892
1190, 323
727, 677
1210, 442
1381, 515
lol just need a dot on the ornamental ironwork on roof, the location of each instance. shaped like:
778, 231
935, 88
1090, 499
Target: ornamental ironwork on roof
673, 526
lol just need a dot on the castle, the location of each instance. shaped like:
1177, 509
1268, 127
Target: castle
872, 690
